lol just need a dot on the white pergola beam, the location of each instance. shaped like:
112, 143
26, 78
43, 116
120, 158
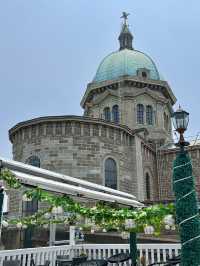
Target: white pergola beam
63, 188
25, 168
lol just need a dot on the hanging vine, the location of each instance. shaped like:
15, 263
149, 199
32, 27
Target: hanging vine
102, 215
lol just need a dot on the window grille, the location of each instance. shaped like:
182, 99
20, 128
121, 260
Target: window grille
140, 114
107, 115
149, 115
115, 114
110, 173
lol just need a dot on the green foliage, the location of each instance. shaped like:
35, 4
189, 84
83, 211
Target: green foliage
103, 215
10, 179
187, 213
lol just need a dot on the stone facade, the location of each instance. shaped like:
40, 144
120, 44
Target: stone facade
79, 146
127, 93
165, 162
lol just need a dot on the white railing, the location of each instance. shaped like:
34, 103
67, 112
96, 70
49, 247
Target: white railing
39, 255
151, 252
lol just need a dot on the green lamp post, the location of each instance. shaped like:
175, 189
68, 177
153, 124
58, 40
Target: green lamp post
1, 207
130, 224
187, 214
1, 197
133, 248
1, 203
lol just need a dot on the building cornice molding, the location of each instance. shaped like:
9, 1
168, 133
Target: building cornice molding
80, 119
104, 95
175, 150
148, 92
138, 82
66, 118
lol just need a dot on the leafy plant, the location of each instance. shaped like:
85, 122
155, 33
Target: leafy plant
103, 215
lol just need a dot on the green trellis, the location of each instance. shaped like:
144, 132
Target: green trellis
187, 212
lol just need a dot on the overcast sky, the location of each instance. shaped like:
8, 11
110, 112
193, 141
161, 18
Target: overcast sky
50, 50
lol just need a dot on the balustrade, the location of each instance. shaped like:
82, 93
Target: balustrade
152, 252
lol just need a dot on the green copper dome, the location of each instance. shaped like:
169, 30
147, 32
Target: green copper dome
125, 62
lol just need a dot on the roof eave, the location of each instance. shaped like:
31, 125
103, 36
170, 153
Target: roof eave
95, 85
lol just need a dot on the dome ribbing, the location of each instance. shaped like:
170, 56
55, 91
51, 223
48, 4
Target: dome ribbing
125, 62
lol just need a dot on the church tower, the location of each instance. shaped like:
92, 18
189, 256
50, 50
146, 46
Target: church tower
129, 90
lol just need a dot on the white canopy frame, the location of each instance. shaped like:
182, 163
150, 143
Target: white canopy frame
35, 171
33, 176
78, 191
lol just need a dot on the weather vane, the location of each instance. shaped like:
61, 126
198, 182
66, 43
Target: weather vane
125, 16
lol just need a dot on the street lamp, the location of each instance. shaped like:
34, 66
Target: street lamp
180, 120
186, 205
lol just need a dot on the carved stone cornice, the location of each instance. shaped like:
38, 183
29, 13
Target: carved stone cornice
66, 118
148, 92
104, 95
135, 81
22, 127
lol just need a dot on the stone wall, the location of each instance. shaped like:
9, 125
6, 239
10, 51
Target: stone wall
150, 168
78, 147
127, 93
165, 165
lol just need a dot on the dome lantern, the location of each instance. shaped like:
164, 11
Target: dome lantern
125, 37
127, 61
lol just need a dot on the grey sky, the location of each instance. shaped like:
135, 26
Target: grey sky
50, 50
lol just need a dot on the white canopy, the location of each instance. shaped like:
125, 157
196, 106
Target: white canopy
64, 184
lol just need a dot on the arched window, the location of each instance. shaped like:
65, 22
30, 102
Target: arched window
166, 121
140, 114
148, 187
107, 115
110, 173
144, 74
149, 115
34, 161
115, 114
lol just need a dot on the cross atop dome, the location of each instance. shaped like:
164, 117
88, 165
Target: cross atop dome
125, 17
125, 37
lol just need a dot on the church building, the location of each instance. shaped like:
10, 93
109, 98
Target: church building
119, 140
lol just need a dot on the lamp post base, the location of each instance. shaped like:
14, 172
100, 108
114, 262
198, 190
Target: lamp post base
182, 145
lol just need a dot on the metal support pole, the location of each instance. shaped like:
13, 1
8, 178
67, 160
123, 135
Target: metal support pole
52, 234
72, 240
133, 248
